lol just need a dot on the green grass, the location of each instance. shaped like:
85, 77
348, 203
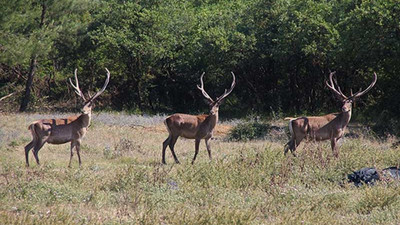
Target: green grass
122, 180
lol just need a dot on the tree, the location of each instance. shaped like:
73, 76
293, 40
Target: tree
30, 29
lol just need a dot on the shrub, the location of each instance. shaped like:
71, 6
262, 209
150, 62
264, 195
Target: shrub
387, 124
249, 130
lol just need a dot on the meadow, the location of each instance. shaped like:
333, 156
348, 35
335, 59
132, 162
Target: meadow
122, 180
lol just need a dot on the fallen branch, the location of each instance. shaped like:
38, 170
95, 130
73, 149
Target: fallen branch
4, 97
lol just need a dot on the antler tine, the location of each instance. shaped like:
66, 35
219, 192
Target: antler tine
103, 88
359, 93
227, 92
76, 87
338, 87
201, 88
332, 87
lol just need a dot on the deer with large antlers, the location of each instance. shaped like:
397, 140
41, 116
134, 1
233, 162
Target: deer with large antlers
327, 127
194, 126
60, 131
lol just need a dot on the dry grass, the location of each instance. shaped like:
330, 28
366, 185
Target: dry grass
122, 180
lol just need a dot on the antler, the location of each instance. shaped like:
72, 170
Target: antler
331, 86
202, 89
359, 93
103, 88
77, 89
227, 92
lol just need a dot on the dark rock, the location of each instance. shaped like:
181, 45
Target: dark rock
369, 175
393, 172
364, 176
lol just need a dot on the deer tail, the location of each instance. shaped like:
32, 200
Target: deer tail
291, 128
166, 125
289, 118
32, 129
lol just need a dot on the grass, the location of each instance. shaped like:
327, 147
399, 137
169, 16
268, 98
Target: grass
122, 180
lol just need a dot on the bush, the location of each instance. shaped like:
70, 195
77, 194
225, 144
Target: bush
249, 130
387, 124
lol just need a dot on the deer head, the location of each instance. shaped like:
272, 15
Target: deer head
88, 104
214, 105
347, 101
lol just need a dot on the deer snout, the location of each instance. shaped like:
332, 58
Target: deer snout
345, 108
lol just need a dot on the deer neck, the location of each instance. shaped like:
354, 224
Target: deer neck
213, 119
345, 118
85, 119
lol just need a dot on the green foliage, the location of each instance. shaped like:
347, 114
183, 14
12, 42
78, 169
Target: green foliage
23, 35
387, 124
280, 50
249, 130
378, 198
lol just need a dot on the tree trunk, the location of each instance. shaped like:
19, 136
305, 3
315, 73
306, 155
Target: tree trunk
32, 70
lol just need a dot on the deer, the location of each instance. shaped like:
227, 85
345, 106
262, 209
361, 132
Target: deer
327, 127
61, 131
196, 127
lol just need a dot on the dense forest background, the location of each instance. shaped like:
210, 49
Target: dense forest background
280, 50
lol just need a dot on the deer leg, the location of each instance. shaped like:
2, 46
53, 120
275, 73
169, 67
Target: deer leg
72, 153
171, 146
291, 145
78, 149
334, 148
288, 146
207, 141
196, 149
293, 148
36, 149
295, 143
28, 147
165, 144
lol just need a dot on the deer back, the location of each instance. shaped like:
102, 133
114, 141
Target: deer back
189, 126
